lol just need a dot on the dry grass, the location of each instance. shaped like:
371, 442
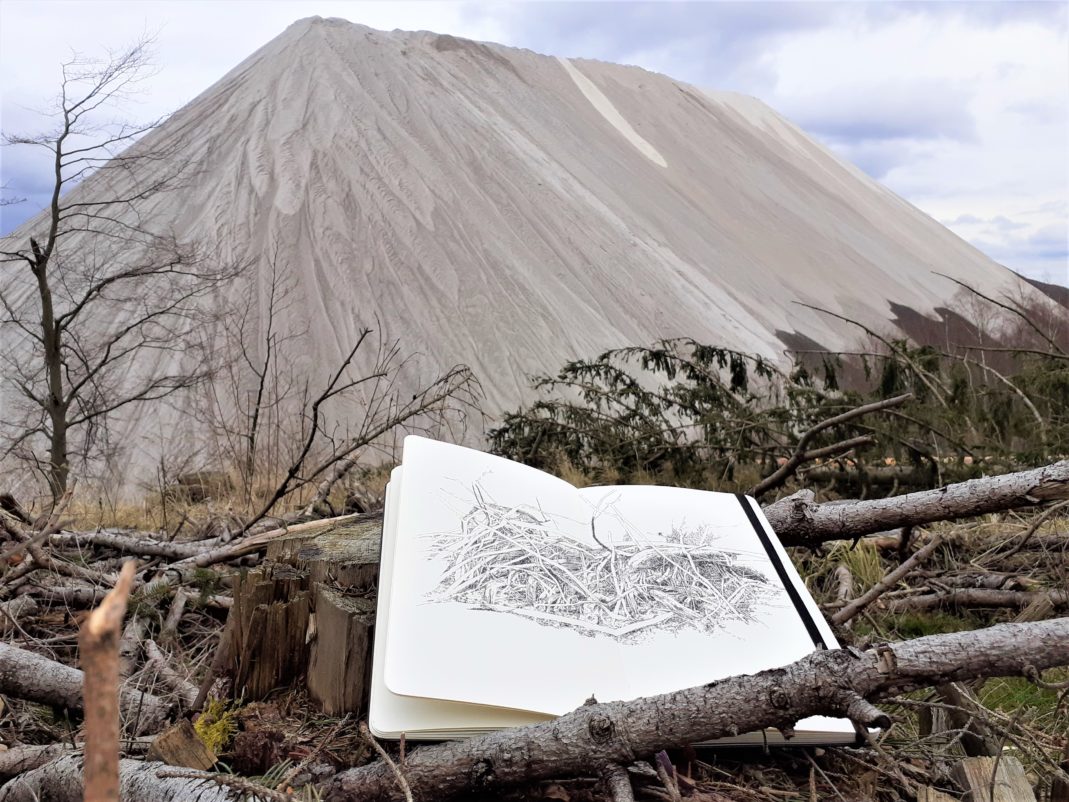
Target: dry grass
217, 504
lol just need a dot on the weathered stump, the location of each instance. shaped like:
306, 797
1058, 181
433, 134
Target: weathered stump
306, 617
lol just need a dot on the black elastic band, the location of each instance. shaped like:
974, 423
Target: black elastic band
788, 585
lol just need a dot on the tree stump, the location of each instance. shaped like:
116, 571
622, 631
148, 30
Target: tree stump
306, 617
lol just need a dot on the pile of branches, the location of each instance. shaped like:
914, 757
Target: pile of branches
156, 640
516, 560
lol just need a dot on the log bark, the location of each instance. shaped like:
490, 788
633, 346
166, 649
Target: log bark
61, 781
156, 659
832, 682
141, 543
799, 521
12, 611
30, 676
978, 597
20, 759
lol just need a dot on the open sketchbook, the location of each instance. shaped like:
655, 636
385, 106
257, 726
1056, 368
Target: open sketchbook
507, 596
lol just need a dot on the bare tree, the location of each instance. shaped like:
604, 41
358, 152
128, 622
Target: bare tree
96, 299
282, 428
250, 405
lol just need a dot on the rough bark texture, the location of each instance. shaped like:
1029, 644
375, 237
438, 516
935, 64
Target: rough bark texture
61, 781
619, 732
979, 597
12, 611
20, 759
800, 522
30, 676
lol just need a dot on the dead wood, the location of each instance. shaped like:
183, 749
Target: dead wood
30, 676
885, 584
799, 521
156, 659
802, 452
98, 648
33, 539
48, 591
1059, 789
965, 714
1000, 778
978, 597
179, 745
12, 611
255, 542
130, 645
169, 628
839, 682
141, 543
19, 759
61, 781
307, 613
1039, 520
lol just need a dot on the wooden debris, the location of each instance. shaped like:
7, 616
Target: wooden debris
179, 745
306, 614
993, 779
139, 781
30, 676
98, 649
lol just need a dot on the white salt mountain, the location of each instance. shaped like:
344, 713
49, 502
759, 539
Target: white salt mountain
511, 211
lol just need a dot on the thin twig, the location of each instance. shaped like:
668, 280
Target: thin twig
401, 781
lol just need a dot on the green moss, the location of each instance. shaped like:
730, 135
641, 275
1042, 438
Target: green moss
216, 725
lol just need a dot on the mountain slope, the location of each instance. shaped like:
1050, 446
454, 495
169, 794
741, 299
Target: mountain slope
509, 210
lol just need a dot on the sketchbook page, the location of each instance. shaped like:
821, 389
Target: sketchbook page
390, 714
689, 564
488, 554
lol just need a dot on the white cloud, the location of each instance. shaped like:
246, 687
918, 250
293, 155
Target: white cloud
962, 108
986, 108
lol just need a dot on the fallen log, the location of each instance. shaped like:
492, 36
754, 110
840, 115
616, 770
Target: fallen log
799, 521
61, 781
11, 611
31, 676
596, 737
141, 543
20, 759
977, 597
853, 608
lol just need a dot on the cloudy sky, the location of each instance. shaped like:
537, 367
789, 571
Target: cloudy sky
961, 108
